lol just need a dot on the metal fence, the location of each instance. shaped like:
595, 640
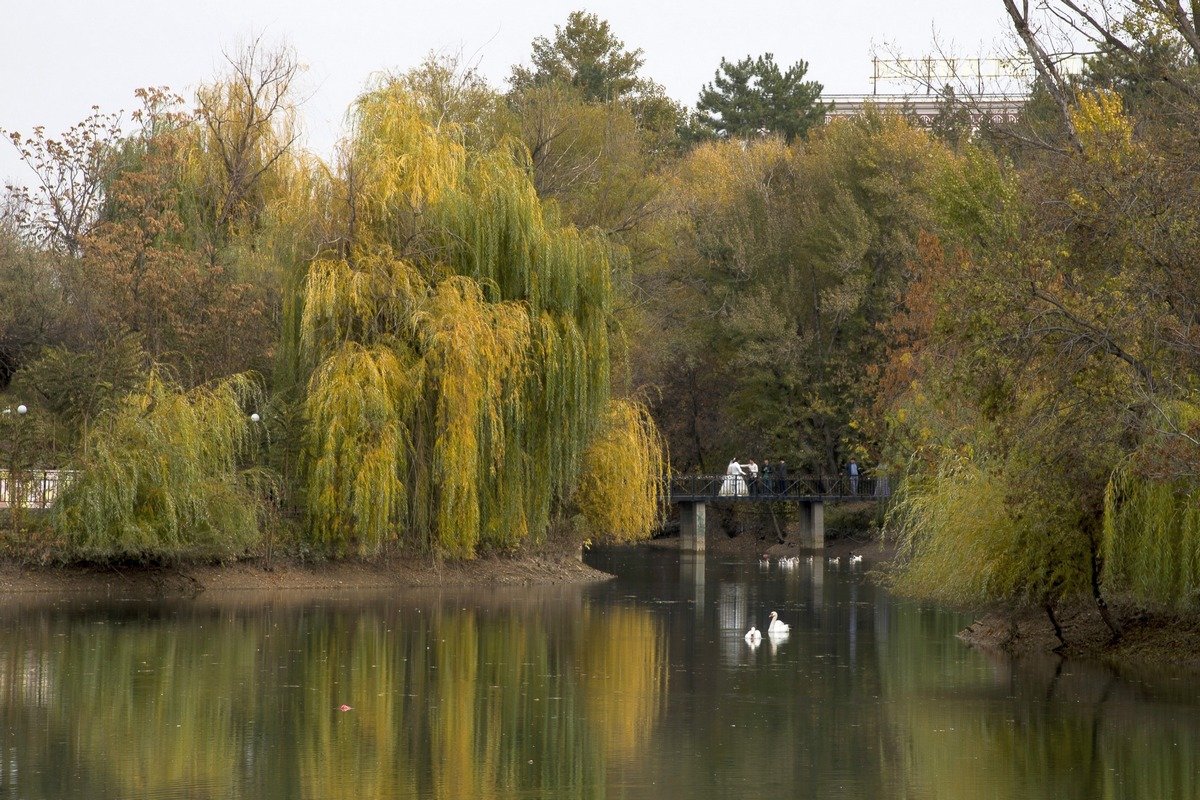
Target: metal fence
804, 487
32, 488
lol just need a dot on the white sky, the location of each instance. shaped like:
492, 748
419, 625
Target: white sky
60, 57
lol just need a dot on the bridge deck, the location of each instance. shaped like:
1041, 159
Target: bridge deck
807, 489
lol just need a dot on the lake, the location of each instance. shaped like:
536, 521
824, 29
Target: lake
642, 687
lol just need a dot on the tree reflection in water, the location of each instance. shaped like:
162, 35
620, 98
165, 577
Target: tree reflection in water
536, 694
448, 701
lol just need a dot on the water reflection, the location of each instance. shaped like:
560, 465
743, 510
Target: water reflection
447, 700
640, 688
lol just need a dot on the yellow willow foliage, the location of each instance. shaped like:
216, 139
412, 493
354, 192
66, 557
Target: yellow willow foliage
476, 352
620, 491
956, 532
378, 296
395, 158
968, 537
498, 315
159, 476
358, 411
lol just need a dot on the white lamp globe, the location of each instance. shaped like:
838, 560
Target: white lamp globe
21, 409
255, 417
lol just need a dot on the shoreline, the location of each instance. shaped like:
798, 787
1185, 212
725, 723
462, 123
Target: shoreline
1147, 638
192, 579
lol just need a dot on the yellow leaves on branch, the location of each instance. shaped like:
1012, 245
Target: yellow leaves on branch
620, 491
395, 158
1104, 130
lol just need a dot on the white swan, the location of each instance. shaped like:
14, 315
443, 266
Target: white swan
776, 625
753, 636
834, 560
855, 558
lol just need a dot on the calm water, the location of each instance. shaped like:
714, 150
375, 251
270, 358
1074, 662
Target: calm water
640, 688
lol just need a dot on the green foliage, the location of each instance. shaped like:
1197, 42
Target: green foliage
1152, 540
1151, 532
789, 259
585, 54
77, 386
160, 477
968, 537
753, 97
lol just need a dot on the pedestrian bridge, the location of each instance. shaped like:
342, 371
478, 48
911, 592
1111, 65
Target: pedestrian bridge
693, 494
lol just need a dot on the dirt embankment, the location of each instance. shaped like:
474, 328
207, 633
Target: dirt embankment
193, 579
1146, 637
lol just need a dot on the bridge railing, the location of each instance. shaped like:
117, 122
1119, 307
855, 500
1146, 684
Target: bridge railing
727, 487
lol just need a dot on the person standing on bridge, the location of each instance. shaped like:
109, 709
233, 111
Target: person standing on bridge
853, 476
768, 477
781, 477
752, 469
734, 484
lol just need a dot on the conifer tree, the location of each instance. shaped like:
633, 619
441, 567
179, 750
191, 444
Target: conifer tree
753, 96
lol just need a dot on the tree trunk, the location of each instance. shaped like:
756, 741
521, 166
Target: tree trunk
1101, 603
1058, 631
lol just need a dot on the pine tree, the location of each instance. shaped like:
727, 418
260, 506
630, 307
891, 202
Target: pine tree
753, 97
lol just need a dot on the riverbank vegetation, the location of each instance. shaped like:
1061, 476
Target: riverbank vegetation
493, 311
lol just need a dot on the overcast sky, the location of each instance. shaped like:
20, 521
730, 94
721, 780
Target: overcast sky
60, 57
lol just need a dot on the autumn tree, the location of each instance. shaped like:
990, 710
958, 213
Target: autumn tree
457, 345
788, 258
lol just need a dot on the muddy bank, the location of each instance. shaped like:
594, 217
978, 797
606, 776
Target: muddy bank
332, 576
1146, 638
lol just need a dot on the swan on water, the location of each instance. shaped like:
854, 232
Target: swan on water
834, 560
754, 635
855, 558
776, 625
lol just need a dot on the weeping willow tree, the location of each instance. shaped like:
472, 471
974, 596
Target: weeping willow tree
455, 344
160, 476
622, 473
968, 536
1151, 538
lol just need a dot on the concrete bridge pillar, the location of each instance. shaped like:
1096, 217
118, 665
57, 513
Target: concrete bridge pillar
812, 524
692, 526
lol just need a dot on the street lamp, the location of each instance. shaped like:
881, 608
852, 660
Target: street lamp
255, 417
14, 484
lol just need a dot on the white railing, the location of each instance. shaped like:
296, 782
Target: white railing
33, 488
998, 109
